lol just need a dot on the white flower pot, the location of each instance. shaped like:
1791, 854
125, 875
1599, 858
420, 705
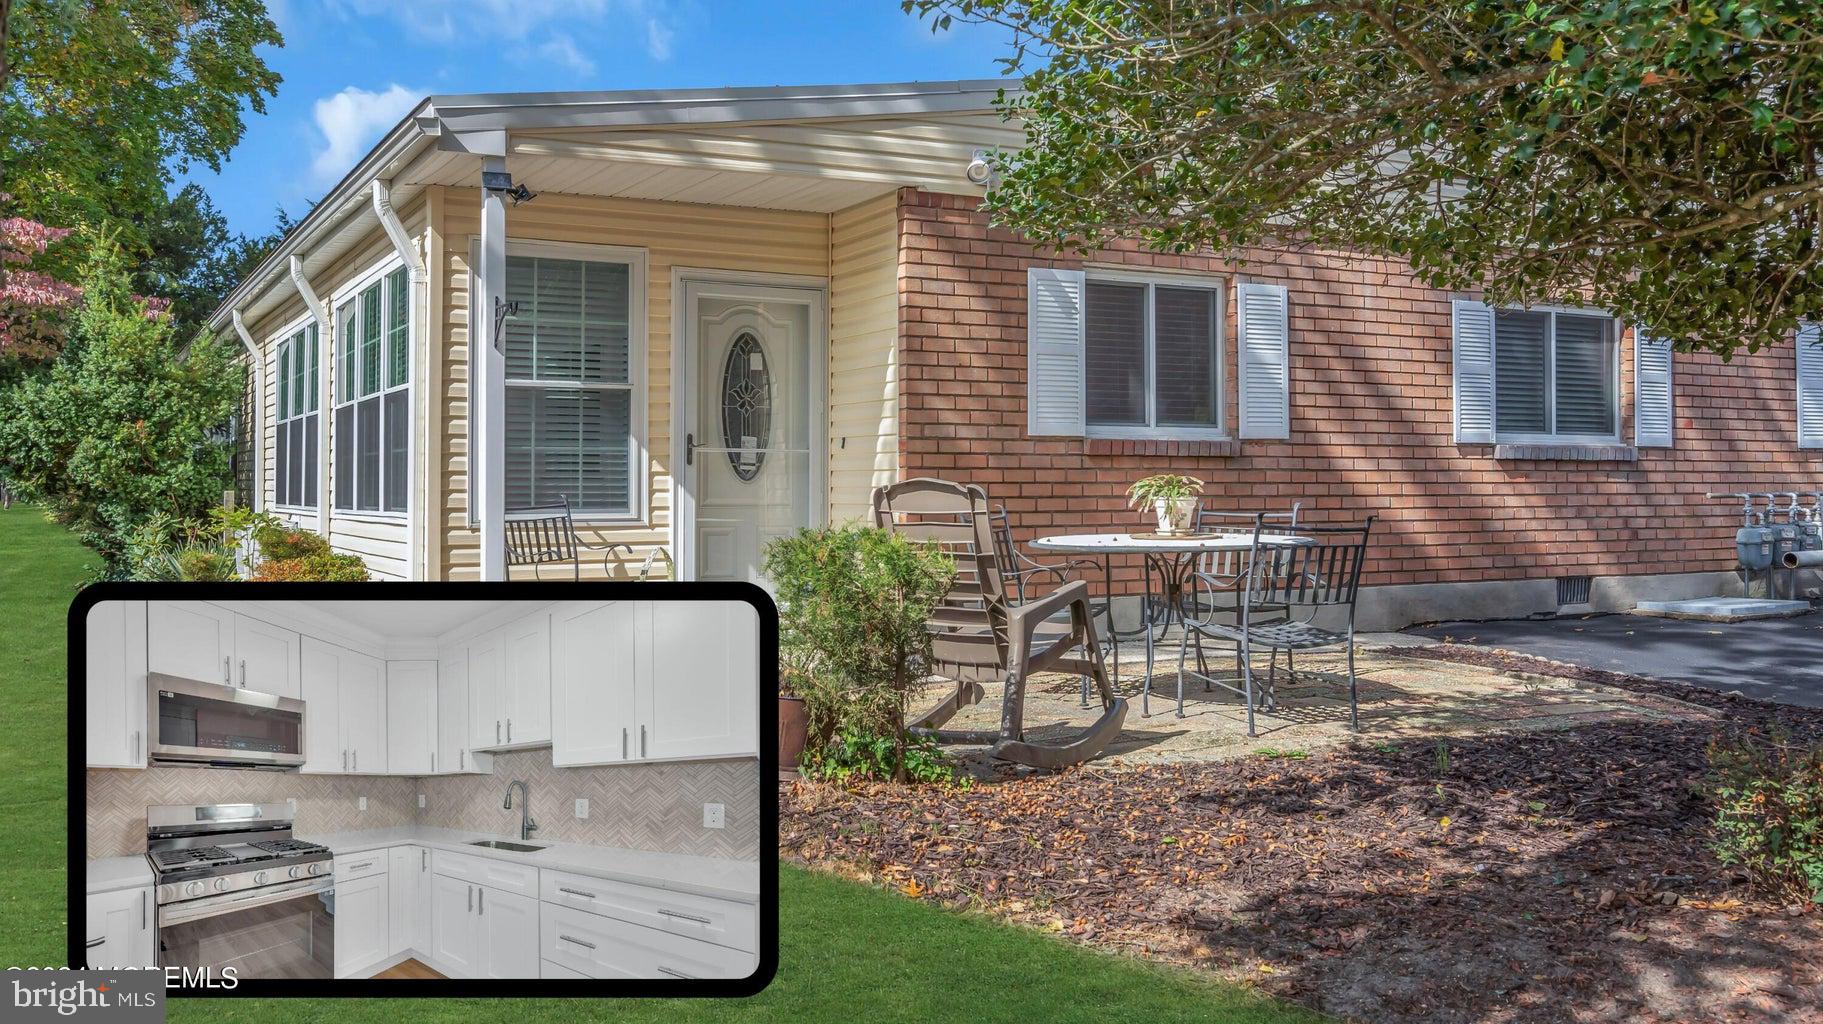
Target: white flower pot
1175, 515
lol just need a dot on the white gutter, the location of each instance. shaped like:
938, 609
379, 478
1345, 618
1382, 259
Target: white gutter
325, 361
259, 409
407, 249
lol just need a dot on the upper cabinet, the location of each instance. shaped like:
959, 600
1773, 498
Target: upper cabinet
196, 640
411, 717
344, 709
654, 680
509, 685
115, 660
455, 754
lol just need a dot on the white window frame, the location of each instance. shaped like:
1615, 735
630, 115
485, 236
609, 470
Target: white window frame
349, 292
1614, 328
635, 258
1151, 430
278, 340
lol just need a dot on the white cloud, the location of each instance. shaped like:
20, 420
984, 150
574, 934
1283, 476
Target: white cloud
350, 121
560, 50
658, 39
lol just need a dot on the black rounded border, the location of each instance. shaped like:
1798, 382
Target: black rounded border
542, 593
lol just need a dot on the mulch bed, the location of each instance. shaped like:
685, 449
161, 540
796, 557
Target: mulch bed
1558, 876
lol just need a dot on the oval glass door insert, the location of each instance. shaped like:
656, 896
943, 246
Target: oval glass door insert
746, 406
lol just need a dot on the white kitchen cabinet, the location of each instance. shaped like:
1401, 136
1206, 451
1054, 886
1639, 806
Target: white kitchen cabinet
408, 895
601, 947
265, 657
454, 752
700, 697
509, 683
508, 926
486, 682
119, 929
595, 656
115, 662
362, 922
190, 640
455, 941
411, 717
344, 710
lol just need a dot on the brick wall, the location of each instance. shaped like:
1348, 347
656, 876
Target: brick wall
1371, 426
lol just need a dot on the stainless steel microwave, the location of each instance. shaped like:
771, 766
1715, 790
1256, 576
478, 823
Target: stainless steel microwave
208, 725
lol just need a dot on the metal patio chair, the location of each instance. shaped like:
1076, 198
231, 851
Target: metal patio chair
980, 634
1283, 587
1219, 572
544, 535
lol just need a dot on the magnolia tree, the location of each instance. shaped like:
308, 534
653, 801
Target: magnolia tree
1658, 158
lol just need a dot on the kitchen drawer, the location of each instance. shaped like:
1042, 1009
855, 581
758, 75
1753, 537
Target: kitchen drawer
602, 947
722, 922
497, 874
547, 969
360, 865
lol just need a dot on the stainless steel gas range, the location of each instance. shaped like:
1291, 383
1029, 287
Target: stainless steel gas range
234, 889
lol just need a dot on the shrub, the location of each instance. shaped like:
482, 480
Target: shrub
1769, 819
853, 755
277, 542
853, 601
318, 568
205, 565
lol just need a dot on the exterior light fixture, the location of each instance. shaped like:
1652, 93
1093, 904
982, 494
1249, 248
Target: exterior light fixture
501, 182
980, 171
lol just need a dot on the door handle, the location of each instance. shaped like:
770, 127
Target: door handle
92, 943
142, 909
135, 744
675, 973
243, 672
344, 760
471, 899
689, 449
227, 674
577, 941
433, 762
357, 760
623, 744
480, 901
496, 730
642, 741
577, 892
423, 860
668, 912
509, 730
462, 760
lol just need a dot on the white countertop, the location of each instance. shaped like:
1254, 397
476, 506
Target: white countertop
737, 880
111, 874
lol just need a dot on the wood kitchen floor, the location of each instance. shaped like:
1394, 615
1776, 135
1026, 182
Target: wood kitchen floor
408, 969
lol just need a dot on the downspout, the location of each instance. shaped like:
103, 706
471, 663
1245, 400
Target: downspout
259, 411
408, 252
326, 342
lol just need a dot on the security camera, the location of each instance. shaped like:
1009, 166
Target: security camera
980, 171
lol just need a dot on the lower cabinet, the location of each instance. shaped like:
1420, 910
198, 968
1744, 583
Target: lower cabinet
118, 930
602, 947
508, 925
454, 944
362, 919
484, 931
408, 897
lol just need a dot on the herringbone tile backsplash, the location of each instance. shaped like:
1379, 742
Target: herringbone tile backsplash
639, 806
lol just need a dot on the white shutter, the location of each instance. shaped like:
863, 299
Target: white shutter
1653, 407
1473, 330
1810, 386
1054, 352
1265, 354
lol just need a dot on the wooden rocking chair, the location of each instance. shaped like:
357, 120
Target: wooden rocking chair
980, 635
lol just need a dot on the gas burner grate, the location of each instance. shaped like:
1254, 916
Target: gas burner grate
192, 857
283, 846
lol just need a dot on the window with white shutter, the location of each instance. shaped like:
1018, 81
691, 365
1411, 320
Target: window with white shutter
1054, 352
1654, 408
373, 406
296, 421
1149, 362
1264, 345
1810, 385
1535, 375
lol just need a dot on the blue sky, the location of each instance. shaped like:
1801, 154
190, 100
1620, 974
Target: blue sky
352, 68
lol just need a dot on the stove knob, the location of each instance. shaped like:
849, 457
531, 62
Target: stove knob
193, 889
221, 885
291, 872
259, 878
316, 868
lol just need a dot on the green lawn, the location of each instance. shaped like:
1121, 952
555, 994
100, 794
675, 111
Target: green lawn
846, 951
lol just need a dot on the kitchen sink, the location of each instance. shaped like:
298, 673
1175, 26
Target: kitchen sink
502, 844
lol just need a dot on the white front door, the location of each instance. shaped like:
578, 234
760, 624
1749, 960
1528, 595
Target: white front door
751, 425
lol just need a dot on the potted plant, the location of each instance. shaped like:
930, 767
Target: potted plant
1173, 498
794, 726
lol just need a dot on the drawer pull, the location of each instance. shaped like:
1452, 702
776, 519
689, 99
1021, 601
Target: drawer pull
577, 941
578, 892
673, 972
92, 943
680, 915
363, 865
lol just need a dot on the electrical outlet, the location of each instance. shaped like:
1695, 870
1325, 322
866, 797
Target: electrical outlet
582, 808
715, 816
361, 803
420, 801
291, 804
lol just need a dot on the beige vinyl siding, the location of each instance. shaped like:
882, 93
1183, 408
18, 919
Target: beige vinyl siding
863, 355
674, 236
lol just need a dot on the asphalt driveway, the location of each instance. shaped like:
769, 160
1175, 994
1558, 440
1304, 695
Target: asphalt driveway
1772, 659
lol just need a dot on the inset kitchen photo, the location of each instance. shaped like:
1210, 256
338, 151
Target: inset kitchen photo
279, 790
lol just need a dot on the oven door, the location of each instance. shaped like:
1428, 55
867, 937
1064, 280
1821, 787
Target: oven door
281, 931
211, 724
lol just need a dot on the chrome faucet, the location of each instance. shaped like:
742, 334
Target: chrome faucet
526, 825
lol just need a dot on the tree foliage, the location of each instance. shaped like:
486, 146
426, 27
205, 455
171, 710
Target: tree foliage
125, 427
34, 306
1659, 158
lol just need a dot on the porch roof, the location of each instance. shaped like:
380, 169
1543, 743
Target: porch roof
815, 148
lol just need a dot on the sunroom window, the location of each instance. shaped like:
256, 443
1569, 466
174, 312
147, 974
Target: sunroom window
1152, 357
295, 472
569, 385
1554, 376
373, 398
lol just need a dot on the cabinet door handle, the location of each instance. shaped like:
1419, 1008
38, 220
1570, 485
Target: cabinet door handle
642, 741
673, 972
92, 943
462, 760
357, 760
509, 730
243, 673
368, 864
344, 760
579, 942
480, 900
496, 730
433, 762
423, 860
578, 892
142, 909
471, 899
227, 674
135, 744
681, 916
623, 744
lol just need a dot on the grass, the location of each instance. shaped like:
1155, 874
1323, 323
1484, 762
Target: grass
846, 950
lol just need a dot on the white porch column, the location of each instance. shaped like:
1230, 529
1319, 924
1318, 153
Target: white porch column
487, 384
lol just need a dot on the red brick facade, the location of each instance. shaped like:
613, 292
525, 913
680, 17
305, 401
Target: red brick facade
1371, 423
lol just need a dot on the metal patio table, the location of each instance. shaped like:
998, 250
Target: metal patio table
1174, 561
